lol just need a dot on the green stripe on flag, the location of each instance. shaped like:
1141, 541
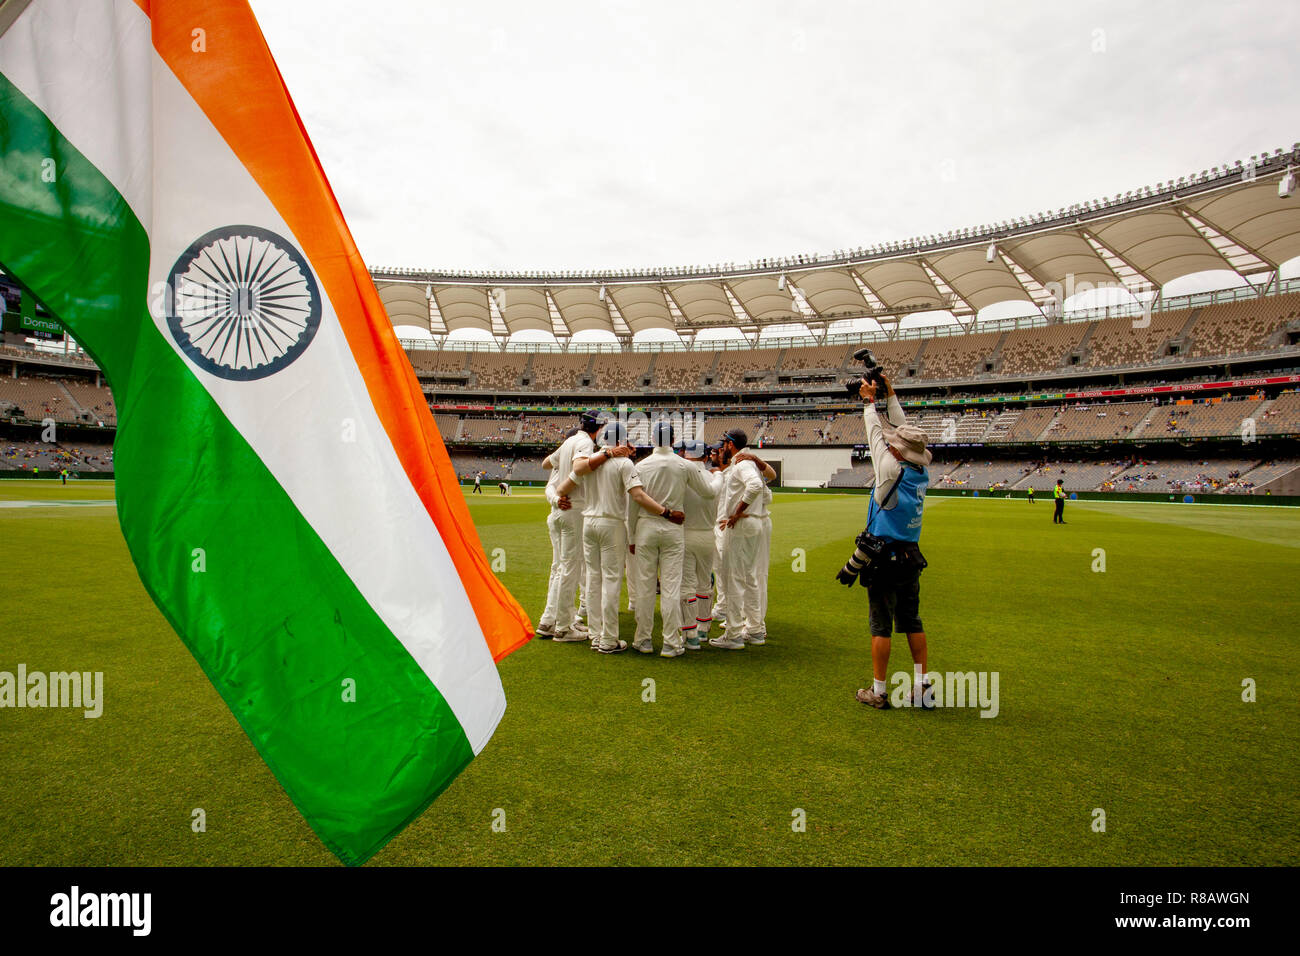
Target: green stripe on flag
273, 620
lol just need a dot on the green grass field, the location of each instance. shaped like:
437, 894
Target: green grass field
1119, 690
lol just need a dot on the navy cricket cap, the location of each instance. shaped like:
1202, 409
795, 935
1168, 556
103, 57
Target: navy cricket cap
737, 436
615, 433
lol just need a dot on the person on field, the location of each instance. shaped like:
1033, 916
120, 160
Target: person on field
658, 546
604, 528
1031, 494
698, 560
894, 512
717, 461
764, 515
633, 578
548, 464
564, 525
1058, 494
478, 485
742, 491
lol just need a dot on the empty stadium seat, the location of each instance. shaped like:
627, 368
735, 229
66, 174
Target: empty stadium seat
1119, 342
1247, 325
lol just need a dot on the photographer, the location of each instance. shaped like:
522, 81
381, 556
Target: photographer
893, 565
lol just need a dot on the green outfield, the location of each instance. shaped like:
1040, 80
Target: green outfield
1119, 690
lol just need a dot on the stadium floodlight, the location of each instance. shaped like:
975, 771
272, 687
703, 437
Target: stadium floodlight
1287, 185
780, 283
602, 293
992, 252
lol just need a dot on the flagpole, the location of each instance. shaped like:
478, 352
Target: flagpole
10, 11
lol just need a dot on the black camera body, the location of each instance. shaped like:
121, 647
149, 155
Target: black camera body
874, 373
868, 554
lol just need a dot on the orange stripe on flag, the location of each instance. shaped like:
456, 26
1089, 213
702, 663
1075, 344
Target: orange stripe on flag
238, 86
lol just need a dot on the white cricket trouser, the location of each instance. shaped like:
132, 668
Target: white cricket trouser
582, 575
631, 586
720, 601
565, 528
697, 596
605, 544
660, 549
764, 558
739, 557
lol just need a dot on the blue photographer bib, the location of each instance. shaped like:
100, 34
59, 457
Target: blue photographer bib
903, 521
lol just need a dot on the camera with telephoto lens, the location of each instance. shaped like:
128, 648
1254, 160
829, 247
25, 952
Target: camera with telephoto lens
868, 552
874, 373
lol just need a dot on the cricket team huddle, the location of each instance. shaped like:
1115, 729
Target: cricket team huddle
685, 516
691, 524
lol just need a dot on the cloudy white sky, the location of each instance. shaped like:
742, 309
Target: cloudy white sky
566, 135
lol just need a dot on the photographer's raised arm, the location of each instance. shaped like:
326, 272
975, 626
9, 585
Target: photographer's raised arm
893, 408
883, 461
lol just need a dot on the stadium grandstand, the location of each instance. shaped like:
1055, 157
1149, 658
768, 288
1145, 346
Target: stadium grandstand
1037, 348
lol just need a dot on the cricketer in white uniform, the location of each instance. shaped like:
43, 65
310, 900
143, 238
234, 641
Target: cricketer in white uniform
719, 540
564, 524
764, 557
742, 489
604, 531
658, 546
760, 511
701, 548
548, 464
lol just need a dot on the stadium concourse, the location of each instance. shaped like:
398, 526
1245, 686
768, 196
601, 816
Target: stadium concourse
1140, 393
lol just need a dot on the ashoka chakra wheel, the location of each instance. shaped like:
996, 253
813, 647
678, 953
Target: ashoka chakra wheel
242, 302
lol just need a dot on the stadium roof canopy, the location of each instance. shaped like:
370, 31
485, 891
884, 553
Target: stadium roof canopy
1244, 218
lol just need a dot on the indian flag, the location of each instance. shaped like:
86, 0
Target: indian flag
281, 485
